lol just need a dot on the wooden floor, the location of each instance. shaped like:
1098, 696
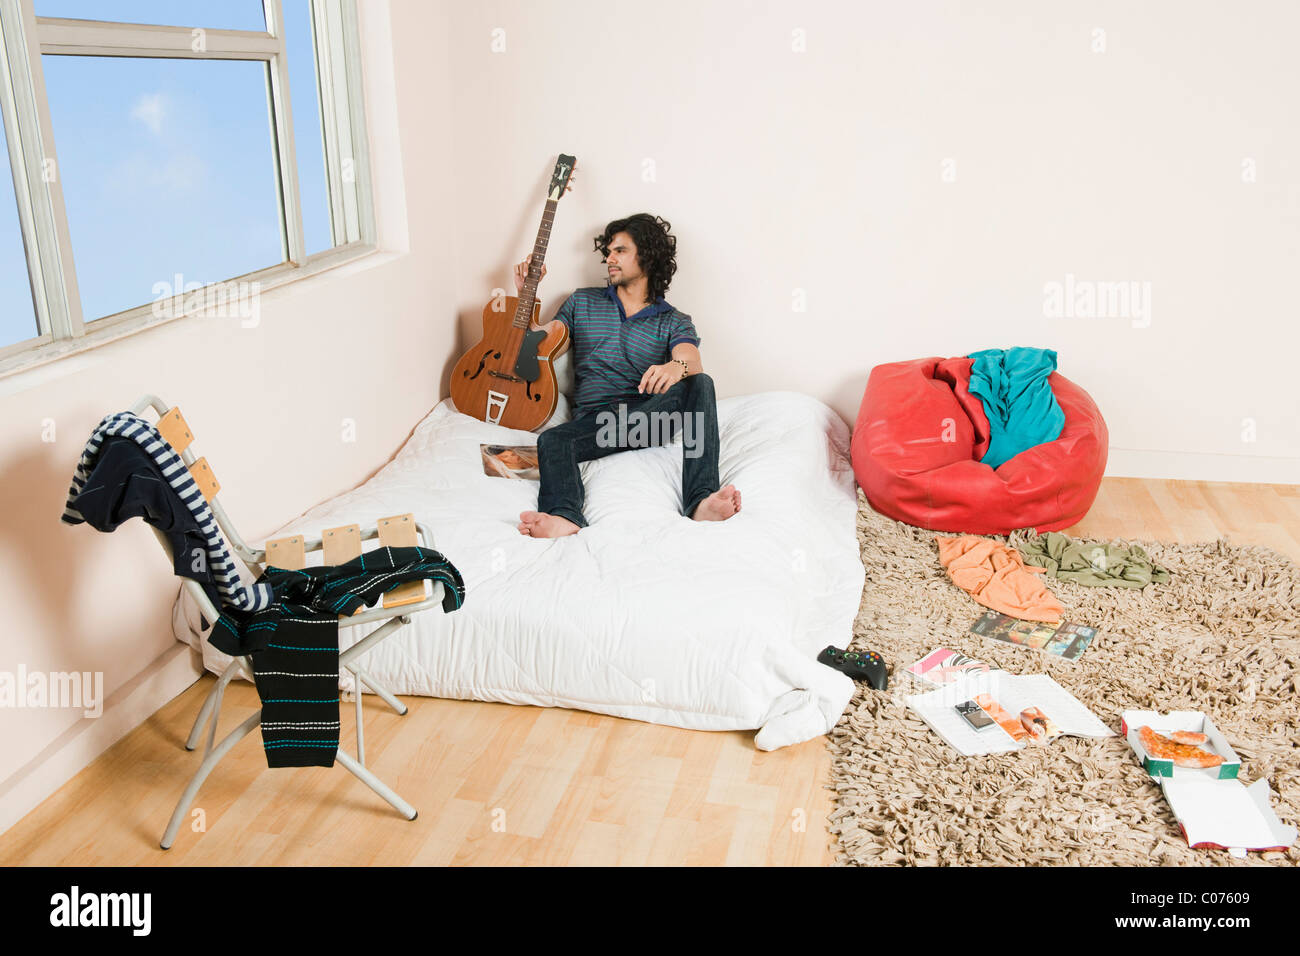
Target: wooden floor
497, 784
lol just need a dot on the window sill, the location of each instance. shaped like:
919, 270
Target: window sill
191, 304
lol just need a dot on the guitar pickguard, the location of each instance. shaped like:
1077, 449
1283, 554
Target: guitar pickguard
526, 367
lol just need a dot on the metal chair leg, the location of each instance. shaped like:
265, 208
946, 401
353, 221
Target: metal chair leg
211, 760
379, 690
361, 730
209, 703
210, 713
377, 785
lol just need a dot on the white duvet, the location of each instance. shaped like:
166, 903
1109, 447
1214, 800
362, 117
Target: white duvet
643, 614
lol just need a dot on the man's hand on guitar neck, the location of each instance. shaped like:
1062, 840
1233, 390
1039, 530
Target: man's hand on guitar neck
521, 273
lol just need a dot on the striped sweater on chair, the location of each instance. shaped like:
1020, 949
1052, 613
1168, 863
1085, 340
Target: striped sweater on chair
224, 573
294, 644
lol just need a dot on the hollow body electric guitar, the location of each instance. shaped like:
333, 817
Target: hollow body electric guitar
507, 378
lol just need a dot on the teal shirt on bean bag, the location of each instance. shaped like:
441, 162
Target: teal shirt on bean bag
1018, 399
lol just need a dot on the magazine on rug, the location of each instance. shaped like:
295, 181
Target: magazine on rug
511, 461
943, 665
997, 712
1064, 639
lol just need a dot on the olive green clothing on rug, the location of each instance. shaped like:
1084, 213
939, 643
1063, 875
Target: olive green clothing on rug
1091, 562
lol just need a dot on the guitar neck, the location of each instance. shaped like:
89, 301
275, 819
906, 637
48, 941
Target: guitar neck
528, 295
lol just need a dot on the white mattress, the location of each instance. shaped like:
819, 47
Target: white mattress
644, 614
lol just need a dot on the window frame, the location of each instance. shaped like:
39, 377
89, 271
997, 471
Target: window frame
42, 216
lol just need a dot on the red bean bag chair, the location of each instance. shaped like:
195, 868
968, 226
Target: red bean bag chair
920, 436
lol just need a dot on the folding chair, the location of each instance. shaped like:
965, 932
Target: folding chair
339, 545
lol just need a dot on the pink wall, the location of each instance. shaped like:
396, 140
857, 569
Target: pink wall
371, 342
802, 152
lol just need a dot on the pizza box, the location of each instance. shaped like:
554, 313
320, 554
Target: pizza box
1226, 815
1193, 720
1214, 809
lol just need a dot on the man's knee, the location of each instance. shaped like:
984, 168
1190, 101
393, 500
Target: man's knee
698, 380
551, 440
699, 385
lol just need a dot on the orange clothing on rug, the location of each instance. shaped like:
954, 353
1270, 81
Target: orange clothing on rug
998, 578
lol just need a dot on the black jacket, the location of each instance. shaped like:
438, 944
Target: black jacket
127, 483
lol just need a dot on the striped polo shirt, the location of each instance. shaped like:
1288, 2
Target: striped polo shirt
612, 350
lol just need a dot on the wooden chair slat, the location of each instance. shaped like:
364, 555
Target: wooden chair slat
288, 553
340, 545
202, 474
175, 430
399, 531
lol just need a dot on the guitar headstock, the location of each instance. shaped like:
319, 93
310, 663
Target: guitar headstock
561, 179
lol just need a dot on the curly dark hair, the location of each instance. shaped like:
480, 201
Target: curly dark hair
656, 248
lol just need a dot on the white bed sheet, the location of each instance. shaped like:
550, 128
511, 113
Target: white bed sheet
644, 614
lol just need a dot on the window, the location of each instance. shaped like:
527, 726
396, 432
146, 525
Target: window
17, 314
227, 14
159, 147
167, 168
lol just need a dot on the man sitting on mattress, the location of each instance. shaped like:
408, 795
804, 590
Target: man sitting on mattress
639, 382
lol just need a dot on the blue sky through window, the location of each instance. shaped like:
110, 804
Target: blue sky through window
167, 168
222, 15
167, 165
307, 135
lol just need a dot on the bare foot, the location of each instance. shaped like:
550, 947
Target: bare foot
719, 506
538, 524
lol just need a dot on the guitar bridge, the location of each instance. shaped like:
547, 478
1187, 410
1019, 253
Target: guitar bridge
496, 406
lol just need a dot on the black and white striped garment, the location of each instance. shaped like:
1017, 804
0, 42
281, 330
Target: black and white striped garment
224, 573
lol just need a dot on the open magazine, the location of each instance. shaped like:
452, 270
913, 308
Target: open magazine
997, 712
511, 461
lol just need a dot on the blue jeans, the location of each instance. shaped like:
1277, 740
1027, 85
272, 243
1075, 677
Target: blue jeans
595, 434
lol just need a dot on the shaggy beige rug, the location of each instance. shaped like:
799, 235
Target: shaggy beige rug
1223, 637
